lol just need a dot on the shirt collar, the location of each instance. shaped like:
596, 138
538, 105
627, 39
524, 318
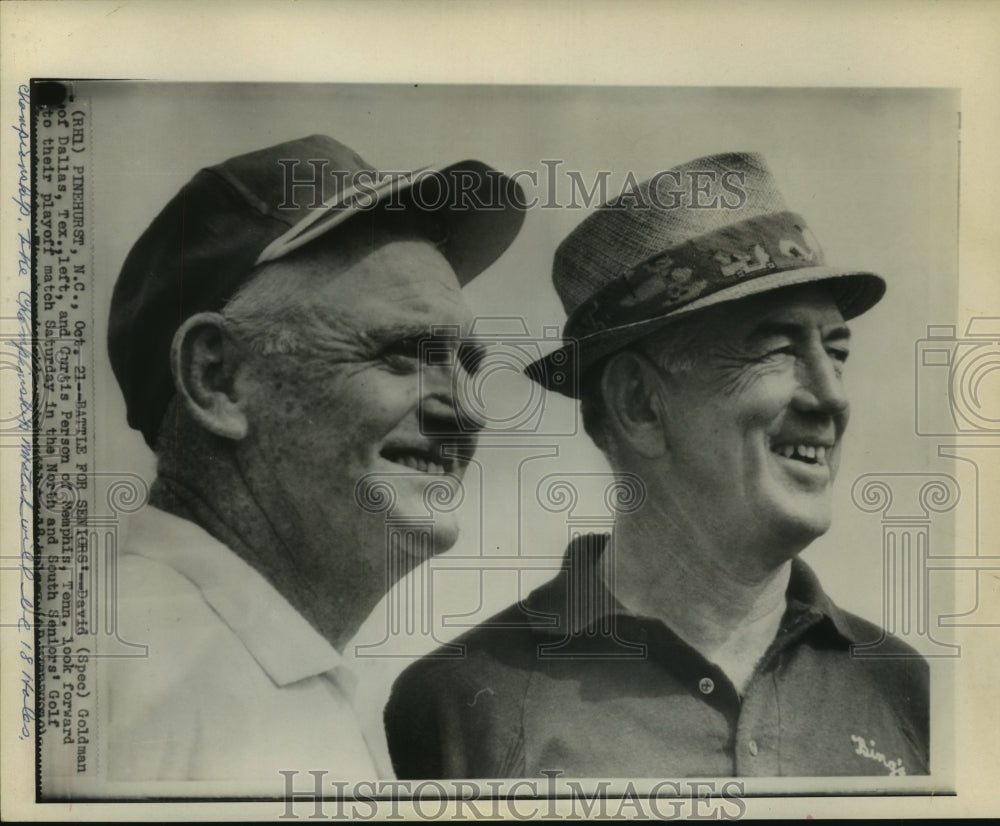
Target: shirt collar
805, 594
579, 597
282, 641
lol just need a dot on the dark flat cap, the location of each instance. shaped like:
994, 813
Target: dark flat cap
258, 207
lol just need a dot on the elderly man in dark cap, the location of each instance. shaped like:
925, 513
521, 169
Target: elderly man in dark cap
266, 331
710, 340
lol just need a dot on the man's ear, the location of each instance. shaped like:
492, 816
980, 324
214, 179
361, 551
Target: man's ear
204, 360
630, 386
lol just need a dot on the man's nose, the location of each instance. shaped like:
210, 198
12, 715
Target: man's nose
447, 405
820, 387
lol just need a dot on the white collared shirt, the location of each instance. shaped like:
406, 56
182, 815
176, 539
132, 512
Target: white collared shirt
237, 685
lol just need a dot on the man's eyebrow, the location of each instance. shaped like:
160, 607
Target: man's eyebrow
404, 330
786, 329
840, 332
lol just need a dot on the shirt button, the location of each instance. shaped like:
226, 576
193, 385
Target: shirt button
706, 686
752, 745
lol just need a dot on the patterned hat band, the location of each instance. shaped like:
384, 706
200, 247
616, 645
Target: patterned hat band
738, 253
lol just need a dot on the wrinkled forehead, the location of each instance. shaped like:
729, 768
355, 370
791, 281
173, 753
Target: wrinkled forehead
380, 284
804, 305
741, 324
808, 304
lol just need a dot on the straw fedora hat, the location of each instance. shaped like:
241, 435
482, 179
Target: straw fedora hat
712, 230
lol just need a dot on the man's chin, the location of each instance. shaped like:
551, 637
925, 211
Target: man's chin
409, 546
800, 530
420, 536
443, 534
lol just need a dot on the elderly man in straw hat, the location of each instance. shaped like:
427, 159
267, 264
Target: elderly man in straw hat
711, 342
265, 331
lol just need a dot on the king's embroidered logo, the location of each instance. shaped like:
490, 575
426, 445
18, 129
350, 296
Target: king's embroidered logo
866, 748
739, 263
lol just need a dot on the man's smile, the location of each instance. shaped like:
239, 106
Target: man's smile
809, 452
424, 458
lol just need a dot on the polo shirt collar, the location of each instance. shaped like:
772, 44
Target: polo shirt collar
579, 597
805, 594
279, 638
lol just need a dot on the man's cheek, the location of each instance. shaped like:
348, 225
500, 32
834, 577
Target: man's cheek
305, 406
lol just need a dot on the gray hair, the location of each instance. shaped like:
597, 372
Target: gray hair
273, 313
675, 348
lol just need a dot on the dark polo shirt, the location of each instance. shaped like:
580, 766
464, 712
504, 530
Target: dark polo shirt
567, 680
